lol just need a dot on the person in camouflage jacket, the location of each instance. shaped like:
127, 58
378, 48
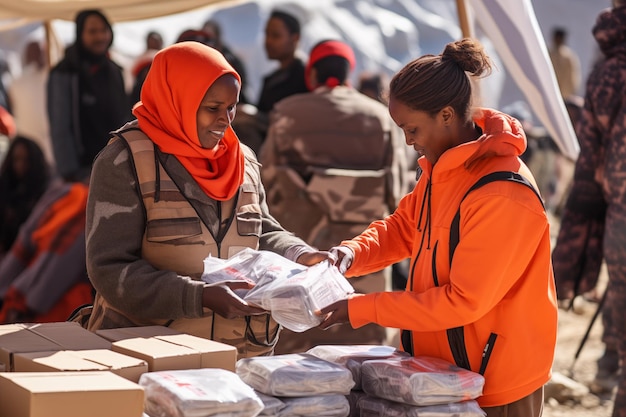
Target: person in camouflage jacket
174, 187
333, 162
600, 171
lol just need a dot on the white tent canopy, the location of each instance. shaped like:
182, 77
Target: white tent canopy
26, 11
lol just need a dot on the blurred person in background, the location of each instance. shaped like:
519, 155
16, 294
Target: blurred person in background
282, 36
333, 162
86, 97
598, 194
565, 63
43, 278
24, 176
214, 28
28, 99
154, 43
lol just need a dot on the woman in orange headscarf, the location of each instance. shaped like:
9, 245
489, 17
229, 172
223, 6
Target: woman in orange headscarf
170, 189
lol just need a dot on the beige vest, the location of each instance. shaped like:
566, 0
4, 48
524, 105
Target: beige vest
176, 239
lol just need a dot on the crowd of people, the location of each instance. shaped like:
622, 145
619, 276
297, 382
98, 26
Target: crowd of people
438, 212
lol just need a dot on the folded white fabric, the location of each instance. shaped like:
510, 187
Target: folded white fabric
420, 380
198, 393
294, 375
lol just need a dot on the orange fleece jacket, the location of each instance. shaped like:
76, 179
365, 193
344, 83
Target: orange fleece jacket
500, 280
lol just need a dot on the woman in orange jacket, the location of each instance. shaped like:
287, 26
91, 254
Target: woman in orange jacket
481, 289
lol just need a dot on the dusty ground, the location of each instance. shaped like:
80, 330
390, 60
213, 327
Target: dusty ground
572, 327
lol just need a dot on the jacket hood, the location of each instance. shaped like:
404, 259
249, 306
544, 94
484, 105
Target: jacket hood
503, 135
610, 31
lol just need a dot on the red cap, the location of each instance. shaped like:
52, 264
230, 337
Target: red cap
329, 48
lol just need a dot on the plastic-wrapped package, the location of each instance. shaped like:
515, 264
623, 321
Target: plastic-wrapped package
352, 356
272, 405
353, 400
377, 407
293, 301
420, 380
290, 291
333, 405
256, 266
294, 375
198, 393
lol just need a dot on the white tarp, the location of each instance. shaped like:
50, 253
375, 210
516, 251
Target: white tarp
513, 29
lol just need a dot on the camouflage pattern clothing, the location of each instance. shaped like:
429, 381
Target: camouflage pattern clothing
333, 162
134, 287
602, 135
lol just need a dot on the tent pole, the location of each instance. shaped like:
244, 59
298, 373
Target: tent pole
461, 6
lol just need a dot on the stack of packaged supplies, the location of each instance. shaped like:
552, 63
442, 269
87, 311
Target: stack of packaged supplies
305, 384
353, 356
419, 386
389, 382
198, 392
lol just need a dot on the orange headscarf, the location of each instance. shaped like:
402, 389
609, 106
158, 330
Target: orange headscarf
179, 77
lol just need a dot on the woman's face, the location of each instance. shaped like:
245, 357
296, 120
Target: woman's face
217, 110
279, 42
96, 35
428, 135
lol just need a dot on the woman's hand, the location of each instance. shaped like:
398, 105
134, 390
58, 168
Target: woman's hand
220, 298
312, 258
343, 257
336, 313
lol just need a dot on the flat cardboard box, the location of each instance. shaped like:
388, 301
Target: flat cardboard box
212, 354
167, 349
159, 354
69, 394
81, 360
45, 337
114, 335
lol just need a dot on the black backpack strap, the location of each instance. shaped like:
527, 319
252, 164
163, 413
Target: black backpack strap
456, 336
494, 176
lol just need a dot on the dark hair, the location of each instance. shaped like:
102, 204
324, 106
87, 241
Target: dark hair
293, 25
432, 82
196, 35
332, 67
81, 18
38, 175
559, 33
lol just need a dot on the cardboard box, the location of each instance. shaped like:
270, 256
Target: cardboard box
45, 337
69, 394
166, 349
114, 335
81, 360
